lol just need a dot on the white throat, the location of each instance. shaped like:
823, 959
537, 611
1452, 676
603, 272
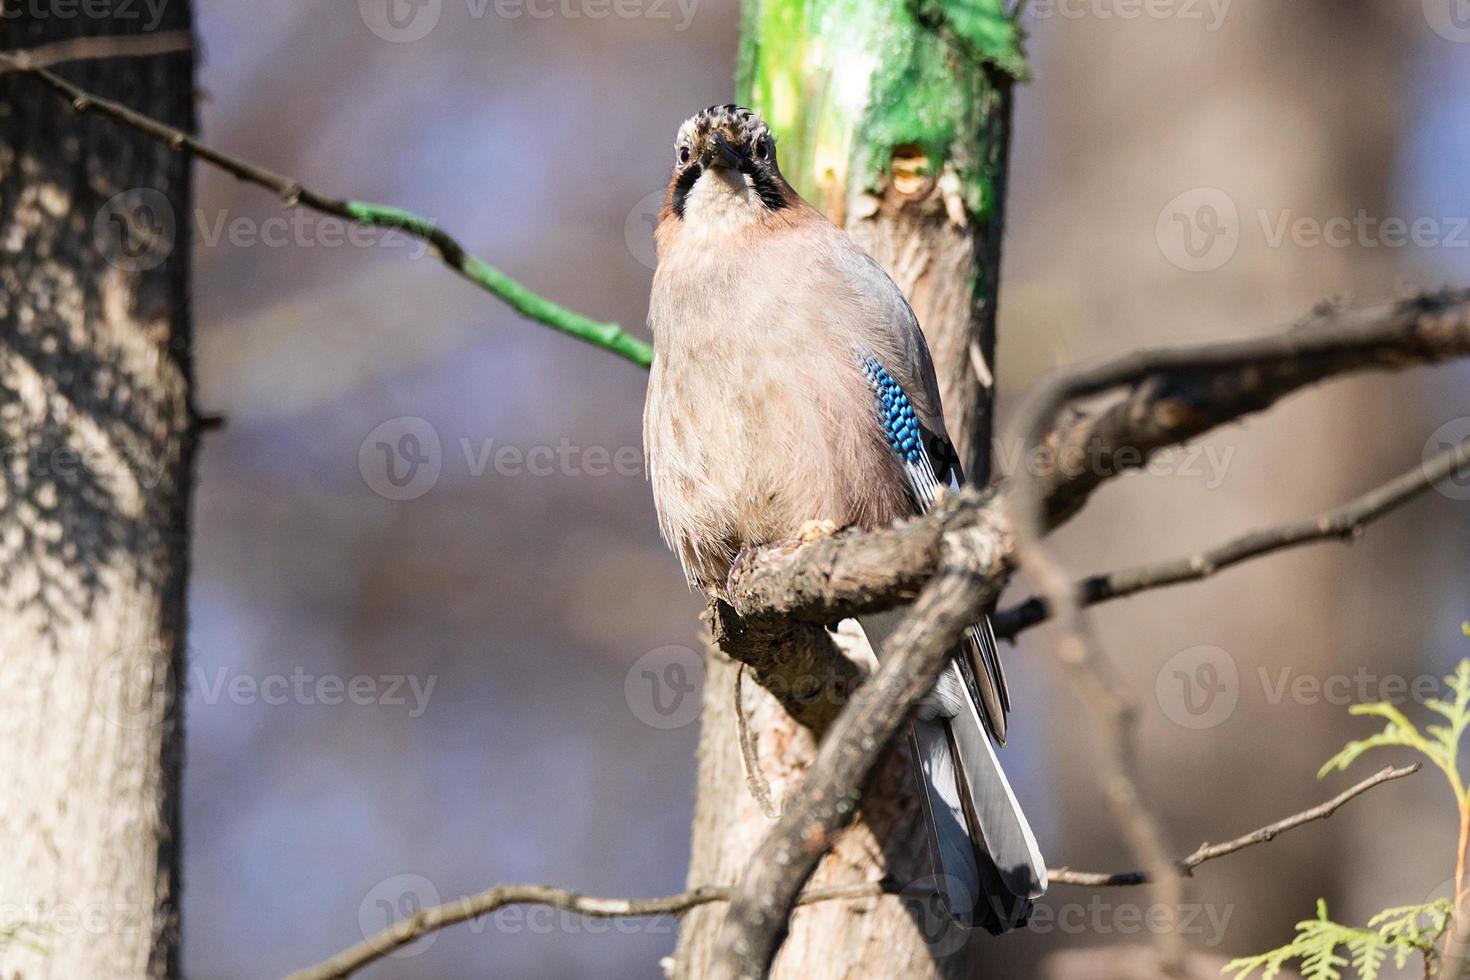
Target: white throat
721, 200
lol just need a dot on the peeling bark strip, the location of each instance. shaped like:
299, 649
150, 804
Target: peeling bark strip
95, 453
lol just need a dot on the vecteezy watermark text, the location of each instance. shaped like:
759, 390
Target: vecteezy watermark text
149, 12
1200, 688
135, 684
1211, 13
137, 230
403, 459
403, 896
299, 687
69, 463
1200, 230
404, 21
1206, 464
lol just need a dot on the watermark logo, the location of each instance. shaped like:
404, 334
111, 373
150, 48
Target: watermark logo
639, 226
1211, 13
1362, 686
35, 923
132, 685
1450, 19
71, 466
223, 685
148, 12
1362, 230
1207, 464
1199, 231
298, 229
401, 21
394, 900
1205, 924
925, 898
1454, 433
401, 459
1198, 688
404, 458
662, 687
135, 230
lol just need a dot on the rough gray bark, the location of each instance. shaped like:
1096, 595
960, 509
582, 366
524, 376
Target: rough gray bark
97, 428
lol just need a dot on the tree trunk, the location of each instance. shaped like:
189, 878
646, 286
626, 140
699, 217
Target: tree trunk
893, 119
96, 421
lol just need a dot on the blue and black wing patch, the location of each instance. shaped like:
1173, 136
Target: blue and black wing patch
930, 461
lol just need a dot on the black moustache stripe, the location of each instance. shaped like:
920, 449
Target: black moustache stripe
768, 187
772, 195
683, 186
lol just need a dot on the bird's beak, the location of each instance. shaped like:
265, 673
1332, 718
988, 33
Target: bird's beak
720, 153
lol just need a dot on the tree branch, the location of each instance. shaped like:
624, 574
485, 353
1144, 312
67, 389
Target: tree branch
416, 926
1344, 523
93, 48
782, 598
1178, 393
1209, 852
488, 902
293, 194
973, 563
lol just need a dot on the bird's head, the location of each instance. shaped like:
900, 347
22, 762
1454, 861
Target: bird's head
725, 168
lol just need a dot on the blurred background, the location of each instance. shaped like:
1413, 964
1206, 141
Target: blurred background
1171, 163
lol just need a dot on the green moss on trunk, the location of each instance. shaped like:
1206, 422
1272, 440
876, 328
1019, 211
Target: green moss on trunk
847, 84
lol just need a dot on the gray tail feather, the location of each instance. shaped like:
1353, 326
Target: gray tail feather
986, 677
988, 869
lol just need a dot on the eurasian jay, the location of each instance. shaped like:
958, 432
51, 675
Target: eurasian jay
791, 383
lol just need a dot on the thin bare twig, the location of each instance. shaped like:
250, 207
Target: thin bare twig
97, 47
1209, 852
293, 194
755, 779
429, 920
488, 902
1344, 523
1168, 384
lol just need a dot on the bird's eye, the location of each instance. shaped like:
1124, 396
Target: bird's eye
763, 148
684, 154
